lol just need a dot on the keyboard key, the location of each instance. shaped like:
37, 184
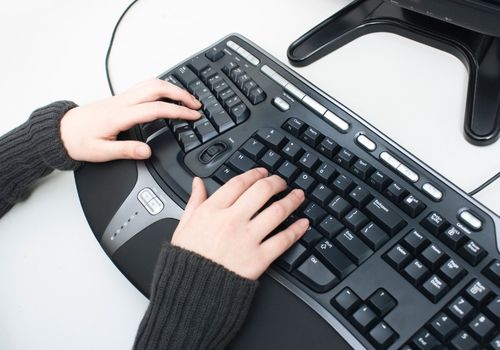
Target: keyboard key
236, 73
292, 257
272, 138
308, 161
224, 174
493, 272
435, 223
314, 213
353, 247
374, 236
346, 301
342, 185
345, 158
242, 80
287, 171
311, 136
463, 341
453, 237
198, 64
253, 149
328, 147
424, 340
225, 96
231, 102
364, 318
292, 151
379, 181
340, 264
325, 173
495, 343
435, 288
249, 86
360, 197
460, 310
472, 252
355, 220
240, 113
339, 207
206, 74
382, 336
493, 310
481, 328
362, 169
188, 140
382, 302
214, 54
397, 257
385, 217
305, 182
321, 195
257, 95
415, 242
185, 76
294, 126
311, 237
270, 160
432, 256
214, 81
412, 206
416, 272
478, 294
443, 327
315, 275
228, 68
330, 227
222, 121
452, 272
219, 88
395, 193
205, 131
240, 162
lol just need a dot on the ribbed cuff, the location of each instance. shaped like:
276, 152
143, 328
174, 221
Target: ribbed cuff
44, 130
195, 303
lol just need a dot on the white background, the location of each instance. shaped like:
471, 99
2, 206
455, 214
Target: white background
58, 290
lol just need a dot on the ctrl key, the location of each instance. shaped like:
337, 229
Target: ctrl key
315, 275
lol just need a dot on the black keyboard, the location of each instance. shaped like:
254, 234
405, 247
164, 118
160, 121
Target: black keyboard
396, 256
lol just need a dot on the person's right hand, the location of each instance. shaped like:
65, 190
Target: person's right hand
228, 229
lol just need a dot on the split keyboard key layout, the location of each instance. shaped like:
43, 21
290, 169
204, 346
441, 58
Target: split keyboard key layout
369, 205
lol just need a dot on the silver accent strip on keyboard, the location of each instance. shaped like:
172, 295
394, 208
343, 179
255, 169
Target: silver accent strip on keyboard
339, 123
243, 53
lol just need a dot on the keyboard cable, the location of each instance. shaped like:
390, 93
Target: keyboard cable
111, 89
110, 45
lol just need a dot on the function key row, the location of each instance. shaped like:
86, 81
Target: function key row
339, 123
244, 82
470, 321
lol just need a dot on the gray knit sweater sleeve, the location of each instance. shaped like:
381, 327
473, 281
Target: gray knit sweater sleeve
195, 303
31, 151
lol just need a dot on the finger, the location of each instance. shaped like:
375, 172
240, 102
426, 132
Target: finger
198, 196
103, 151
154, 89
258, 194
150, 111
276, 213
232, 190
280, 242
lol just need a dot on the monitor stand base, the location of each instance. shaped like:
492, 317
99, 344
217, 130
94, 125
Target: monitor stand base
480, 54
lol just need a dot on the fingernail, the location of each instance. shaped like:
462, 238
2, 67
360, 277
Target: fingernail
143, 151
304, 223
263, 171
299, 193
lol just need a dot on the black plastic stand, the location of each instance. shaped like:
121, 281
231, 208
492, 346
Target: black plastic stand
478, 52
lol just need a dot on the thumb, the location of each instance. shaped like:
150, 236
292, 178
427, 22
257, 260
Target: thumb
110, 150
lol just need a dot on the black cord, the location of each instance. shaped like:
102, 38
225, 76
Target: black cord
110, 46
485, 184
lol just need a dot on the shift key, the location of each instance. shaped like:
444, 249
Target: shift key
384, 216
334, 259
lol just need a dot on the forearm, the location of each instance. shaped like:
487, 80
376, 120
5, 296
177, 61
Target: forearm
31, 151
195, 303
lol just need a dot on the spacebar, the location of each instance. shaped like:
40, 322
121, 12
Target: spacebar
385, 217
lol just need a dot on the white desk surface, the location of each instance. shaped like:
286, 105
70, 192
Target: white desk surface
58, 290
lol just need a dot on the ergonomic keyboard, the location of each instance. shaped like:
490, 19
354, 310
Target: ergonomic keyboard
396, 256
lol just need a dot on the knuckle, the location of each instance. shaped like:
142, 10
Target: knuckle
279, 209
238, 182
265, 186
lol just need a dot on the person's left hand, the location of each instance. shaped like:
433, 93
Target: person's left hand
89, 132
